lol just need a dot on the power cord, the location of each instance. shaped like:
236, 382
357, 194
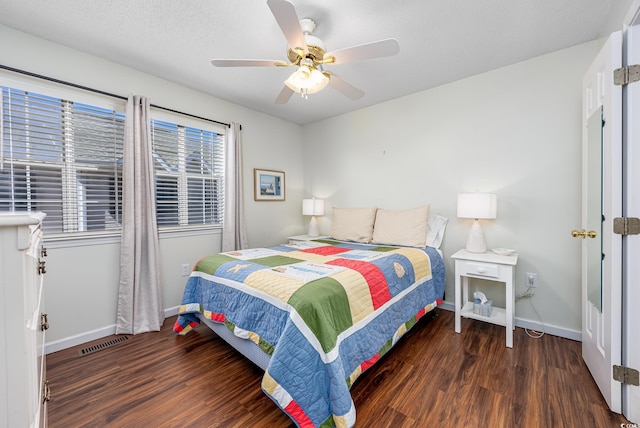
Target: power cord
527, 294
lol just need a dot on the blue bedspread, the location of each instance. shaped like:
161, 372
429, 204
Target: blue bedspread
325, 311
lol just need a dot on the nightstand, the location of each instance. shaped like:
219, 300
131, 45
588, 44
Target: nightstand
303, 238
491, 267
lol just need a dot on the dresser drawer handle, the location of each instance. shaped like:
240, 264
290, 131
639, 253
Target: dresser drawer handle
46, 392
44, 322
481, 270
41, 267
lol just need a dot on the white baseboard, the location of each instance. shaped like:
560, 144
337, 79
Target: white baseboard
110, 330
534, 325
448, 306
169, 312
553, 330
79, 339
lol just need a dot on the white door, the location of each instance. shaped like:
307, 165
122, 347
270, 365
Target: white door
601, 203
631, 243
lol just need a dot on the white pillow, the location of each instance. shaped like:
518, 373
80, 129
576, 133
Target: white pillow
406, 227
437, 225
353, 224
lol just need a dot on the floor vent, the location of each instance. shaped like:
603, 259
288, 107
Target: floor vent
104, 345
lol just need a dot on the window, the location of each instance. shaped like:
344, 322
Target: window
189, 165
61, 158
65, 158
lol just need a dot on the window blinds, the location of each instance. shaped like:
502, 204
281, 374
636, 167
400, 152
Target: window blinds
189, 169
65, 158
61, 158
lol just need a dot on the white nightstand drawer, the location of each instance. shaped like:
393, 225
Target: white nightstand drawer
489, 270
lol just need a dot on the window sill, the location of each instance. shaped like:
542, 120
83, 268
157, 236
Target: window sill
103, 238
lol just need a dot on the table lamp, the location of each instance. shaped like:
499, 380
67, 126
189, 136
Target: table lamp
477, 206
313, 207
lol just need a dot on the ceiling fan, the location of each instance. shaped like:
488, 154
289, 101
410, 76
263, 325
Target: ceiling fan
309, 54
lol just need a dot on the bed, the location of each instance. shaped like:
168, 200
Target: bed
315, 315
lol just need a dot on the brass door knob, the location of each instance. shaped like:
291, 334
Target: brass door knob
582, 233
592, 234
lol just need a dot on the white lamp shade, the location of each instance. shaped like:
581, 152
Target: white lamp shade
313, 206
477, 205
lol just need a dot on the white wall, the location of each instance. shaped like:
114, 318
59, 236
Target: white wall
515, 131
82, 282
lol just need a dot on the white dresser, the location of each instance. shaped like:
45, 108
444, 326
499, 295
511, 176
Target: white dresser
23, 391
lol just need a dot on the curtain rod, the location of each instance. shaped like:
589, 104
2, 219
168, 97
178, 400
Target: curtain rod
98, 91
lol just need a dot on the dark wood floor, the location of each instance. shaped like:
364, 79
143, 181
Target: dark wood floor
433, 378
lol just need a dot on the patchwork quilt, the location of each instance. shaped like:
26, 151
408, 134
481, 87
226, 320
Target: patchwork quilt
324, 310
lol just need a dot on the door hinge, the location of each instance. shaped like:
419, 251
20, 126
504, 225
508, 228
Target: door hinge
626, 375
626, 226
625, 75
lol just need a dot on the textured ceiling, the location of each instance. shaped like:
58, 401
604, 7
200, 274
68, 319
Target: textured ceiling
440, 41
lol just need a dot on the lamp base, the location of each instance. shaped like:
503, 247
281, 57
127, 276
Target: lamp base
313, 227
476, 242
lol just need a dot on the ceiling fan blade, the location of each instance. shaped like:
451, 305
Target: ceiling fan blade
379, 49
347, 89
285, 14
284, 95
247, 63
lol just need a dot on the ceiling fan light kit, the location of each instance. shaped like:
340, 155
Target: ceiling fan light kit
307, 79
308, 53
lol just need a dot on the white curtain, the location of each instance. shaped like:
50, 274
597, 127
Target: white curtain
234, 231
140, 294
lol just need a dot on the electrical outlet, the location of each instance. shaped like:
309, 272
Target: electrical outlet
185, 269
530, 279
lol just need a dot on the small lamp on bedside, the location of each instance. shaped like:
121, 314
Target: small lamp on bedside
477, 206
313, 207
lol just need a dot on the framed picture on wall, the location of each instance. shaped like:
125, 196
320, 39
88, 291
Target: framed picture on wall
268, 185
